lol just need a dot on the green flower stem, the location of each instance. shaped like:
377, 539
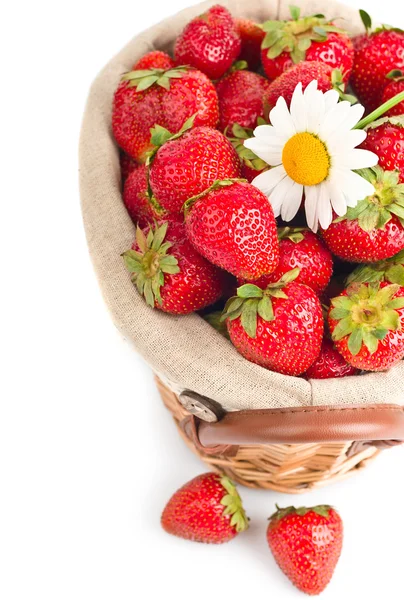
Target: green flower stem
380, 111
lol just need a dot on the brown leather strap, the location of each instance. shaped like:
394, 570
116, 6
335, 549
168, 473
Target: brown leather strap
379, 423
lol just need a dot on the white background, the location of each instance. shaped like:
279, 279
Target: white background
88, 454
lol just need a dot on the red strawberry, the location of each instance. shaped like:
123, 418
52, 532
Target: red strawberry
209, 43
376, 54
385, 137
390, 270
142, 208
303, 249
206, 509
251, 36
366, 323
306, 543
240, 99
170, 274
374, 229
233, 226
309, 38
168, 98
286, 83
329, 364
154, 60
394, 86
251, 165
187, 165
279, 328
127, 165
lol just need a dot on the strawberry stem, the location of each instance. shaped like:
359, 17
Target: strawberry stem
380, 111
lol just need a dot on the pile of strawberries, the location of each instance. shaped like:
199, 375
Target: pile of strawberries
299, 303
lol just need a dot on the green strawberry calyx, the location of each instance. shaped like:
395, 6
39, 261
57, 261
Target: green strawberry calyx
367, 21
366, 315
143, 79
395, 75
233, 505
216, 185
338, 84
297, 35
375, 211
237, 137
390, 270
252, 302
396, 120
151, 263
294, 234
322, 509
160, 135
215, 320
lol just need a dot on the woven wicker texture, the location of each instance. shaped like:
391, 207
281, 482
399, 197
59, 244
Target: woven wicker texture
287, 468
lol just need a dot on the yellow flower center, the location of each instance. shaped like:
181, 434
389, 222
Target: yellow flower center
306, 159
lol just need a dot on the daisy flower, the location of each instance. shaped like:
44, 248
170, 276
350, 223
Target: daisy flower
312, 149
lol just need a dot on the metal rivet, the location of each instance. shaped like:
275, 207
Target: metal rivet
200, 406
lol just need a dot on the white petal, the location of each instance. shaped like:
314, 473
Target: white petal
271, 155
281, 119
315, 107
359, 159
338, 201
269, 179
265, 132
310, 205
354, 187
354, 116
292, 203
334, 120
331, 98
324, 210
298, 109
279, 194
341, 142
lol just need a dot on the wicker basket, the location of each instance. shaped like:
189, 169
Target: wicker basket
287, 468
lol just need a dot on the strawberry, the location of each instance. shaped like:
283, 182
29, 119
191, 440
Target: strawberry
240, 99
232, 224
390, 270
209, 42
329, 364
279, 328
169, 273
146, 98
142, 208
206, 509
127, 165
187, 165
286, 83
376, 55
251, 165
394, 86
303, 249
385, 137
251, 36
366, 323
306, 543
154, 60
374, 229
308, 38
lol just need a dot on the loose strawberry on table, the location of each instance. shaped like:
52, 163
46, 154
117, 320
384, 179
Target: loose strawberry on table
374, 229
240, 96
279, 328
302, 249
232, 225
251, 36
329, 364
206, 509
366, 323
168, 271
168, 98
306, 543
189, 164
209, 42
385, 137
305, 38
376, 54
141, 206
